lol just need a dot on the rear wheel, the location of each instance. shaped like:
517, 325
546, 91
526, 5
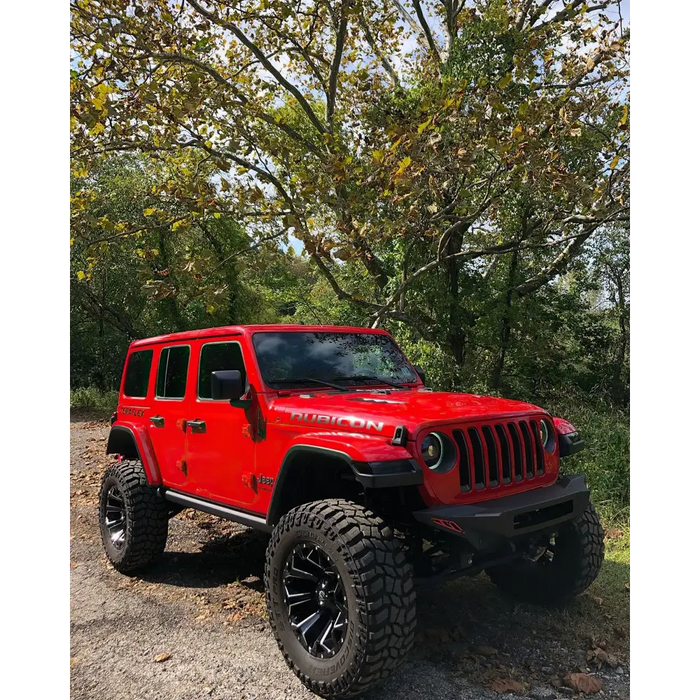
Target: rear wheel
133, 517
561, 568
340, 597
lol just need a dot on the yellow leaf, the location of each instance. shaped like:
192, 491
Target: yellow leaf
614, 162
377, 156
404, 164
72, 240
81, 275
149, 212
505, 81
625, 114
217, 214
518, 131
422, 127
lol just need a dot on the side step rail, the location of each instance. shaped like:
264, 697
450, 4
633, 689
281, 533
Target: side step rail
222, 511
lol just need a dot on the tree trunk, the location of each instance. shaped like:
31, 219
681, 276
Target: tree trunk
505, 330
456, 334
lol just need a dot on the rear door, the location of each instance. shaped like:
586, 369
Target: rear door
166, 420
220, 446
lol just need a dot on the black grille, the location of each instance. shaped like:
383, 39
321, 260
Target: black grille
497, 454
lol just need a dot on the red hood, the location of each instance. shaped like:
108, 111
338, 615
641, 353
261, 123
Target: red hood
413, 409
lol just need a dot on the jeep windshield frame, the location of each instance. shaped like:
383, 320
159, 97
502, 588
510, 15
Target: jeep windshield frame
303, 359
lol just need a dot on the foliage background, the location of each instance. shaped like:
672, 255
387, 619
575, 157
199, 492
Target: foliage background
456, 172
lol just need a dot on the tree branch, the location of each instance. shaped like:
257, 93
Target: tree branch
138, 229
416, 28
242, 99
523, 15
373, 45
253, 48
426, 30
335, 66
499, 249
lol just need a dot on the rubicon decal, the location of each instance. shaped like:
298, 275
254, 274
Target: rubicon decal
339, 421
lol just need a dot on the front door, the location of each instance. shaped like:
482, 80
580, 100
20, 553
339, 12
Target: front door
220, 450
166, 419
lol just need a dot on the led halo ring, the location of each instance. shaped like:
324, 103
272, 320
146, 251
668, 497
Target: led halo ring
446, 456
546, 435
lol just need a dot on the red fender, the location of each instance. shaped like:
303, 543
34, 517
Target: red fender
142, 440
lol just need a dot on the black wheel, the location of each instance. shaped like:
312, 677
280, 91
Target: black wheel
561, 568
340, 597
133, 517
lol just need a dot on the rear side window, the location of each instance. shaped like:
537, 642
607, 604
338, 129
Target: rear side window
216, 356
172, 372
138, 369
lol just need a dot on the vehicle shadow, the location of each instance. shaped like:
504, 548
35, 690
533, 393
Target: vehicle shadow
222, 560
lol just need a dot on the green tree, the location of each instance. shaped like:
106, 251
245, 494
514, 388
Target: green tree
155, 279
444, 165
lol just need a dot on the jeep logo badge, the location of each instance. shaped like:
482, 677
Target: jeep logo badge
341, 421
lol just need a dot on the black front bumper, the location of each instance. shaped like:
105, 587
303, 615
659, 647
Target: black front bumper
488, 524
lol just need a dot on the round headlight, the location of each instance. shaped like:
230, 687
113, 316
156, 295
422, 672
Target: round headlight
545, 435
431, 450
438, 452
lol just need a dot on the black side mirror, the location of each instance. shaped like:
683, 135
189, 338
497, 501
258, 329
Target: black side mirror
228, 384
420, 372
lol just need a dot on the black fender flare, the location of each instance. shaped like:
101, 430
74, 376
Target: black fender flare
385, 474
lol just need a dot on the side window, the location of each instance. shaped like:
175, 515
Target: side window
216, 356
138, 370
172, 372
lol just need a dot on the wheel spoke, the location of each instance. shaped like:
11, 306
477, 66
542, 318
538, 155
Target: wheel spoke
315, 600
294, 599
305, 625
339, 621
294, 572
324, 635
115, 517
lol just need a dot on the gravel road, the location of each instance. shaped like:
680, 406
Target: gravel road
202, 606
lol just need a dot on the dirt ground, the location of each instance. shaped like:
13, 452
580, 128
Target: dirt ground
201, 609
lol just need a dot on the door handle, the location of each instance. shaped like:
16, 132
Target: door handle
198, 426
158, 421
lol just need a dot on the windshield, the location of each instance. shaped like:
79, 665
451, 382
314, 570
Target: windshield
295, 359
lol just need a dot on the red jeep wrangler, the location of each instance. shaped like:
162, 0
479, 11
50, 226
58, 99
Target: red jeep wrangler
327, 438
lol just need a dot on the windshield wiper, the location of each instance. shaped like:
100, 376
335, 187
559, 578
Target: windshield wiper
367, 377
307, 380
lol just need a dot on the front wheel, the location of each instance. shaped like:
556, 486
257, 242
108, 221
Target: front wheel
340, 597
561, 568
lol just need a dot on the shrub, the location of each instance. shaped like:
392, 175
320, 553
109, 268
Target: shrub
92, 398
